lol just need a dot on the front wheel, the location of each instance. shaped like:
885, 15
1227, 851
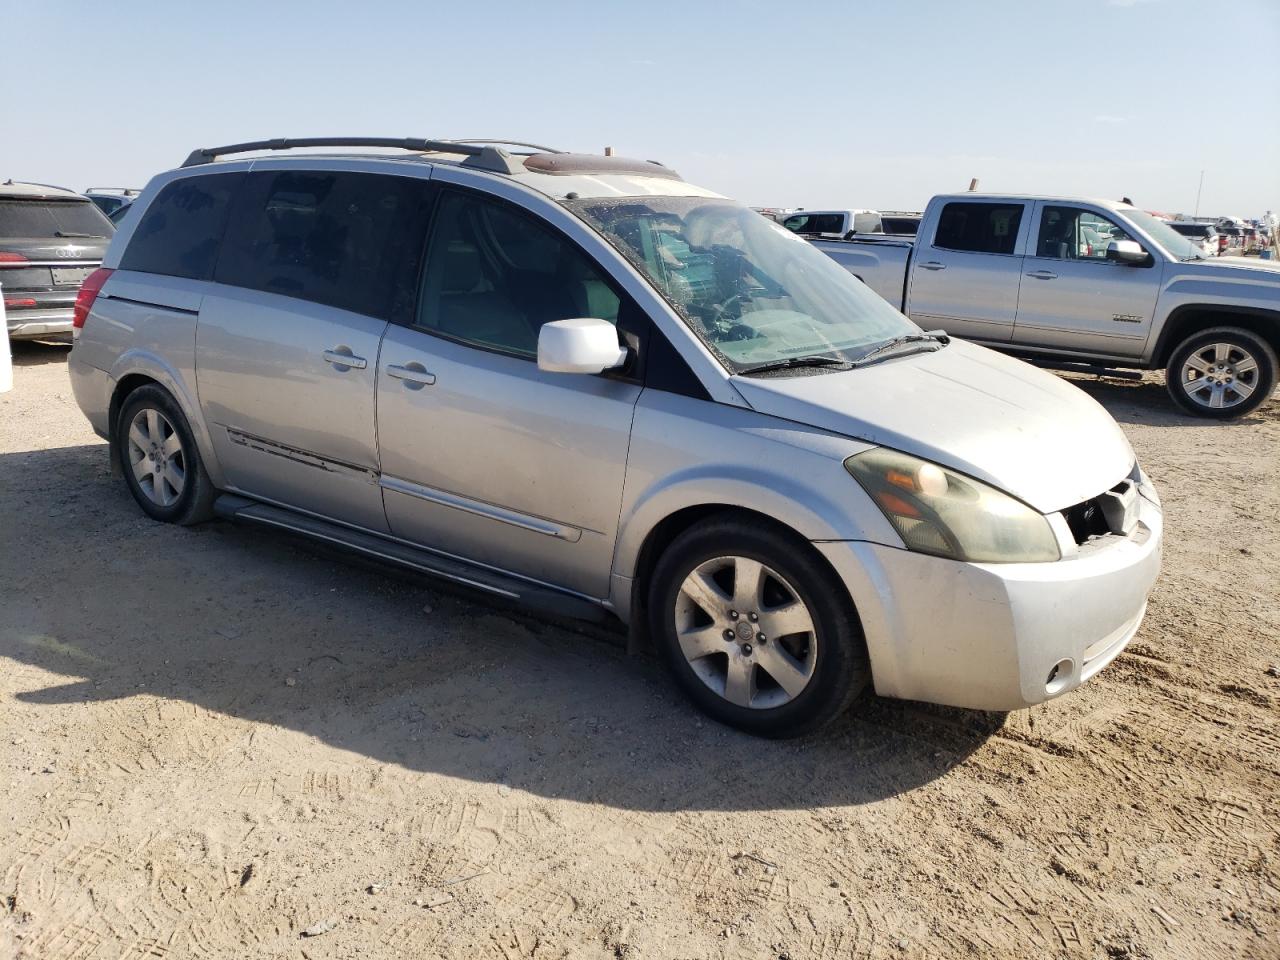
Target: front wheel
756, 628
1221, 373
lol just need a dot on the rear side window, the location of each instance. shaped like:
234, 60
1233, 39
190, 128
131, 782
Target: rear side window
979, 227
179, 232
38, 219
347, 240
815, 223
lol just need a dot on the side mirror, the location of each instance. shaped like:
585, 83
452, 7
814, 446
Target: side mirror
1126, 251
582, 345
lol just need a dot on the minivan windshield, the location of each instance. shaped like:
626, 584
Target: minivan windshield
753, 291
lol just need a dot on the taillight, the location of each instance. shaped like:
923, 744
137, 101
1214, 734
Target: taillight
88, 293
6, 258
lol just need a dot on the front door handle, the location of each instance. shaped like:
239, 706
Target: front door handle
933, 265
414, 375
342, 357
1043, 275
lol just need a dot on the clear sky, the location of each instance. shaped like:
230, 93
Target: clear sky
785, 103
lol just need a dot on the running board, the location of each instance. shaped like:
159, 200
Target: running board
1098, 370
546, 599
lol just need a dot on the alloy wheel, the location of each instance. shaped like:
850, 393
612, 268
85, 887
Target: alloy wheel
746, 632
155, 456
1219, 375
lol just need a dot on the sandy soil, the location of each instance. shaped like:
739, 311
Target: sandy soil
217, 743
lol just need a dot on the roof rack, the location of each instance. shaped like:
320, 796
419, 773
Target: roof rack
123, 191
483, 157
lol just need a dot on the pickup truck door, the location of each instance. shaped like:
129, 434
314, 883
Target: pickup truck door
1073, 297
967, 269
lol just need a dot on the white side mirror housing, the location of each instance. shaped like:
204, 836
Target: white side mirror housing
581, 345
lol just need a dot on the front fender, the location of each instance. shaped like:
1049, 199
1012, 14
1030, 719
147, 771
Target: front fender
691, 453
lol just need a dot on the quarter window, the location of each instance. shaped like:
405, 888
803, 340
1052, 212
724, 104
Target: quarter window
979, 227
347, 240
494, 277
1070, 233
179, 232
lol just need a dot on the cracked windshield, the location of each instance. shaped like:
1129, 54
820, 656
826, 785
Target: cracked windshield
753, 291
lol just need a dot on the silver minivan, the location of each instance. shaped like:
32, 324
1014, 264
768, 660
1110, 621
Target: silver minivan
583, 384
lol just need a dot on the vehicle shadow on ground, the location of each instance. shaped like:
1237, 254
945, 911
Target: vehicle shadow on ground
33, 353
259, 628
1147, 402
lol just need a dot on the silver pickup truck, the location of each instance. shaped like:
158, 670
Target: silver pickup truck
1066, 282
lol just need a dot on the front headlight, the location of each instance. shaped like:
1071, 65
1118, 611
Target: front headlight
947, 514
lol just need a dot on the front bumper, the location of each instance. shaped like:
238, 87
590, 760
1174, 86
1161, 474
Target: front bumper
993, 636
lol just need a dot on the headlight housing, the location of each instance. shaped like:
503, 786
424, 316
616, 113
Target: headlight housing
946, 514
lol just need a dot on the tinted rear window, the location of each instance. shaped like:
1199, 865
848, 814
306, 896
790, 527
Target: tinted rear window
979, 227
179, 232
52, 218
348, 240
1191, 229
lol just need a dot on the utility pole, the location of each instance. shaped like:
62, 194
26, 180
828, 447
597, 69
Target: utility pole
1199, 190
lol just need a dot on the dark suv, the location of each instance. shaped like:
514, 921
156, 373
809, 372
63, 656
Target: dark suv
50, 240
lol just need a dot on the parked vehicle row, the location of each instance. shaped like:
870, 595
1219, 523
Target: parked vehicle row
1071, 280
583, 383
838, 224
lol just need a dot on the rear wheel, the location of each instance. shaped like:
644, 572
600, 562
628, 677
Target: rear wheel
159, 459
756, 628
1223, 372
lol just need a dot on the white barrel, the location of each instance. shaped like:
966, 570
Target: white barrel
6, 362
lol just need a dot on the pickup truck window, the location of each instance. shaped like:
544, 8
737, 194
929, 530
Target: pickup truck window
753, 292
1072, 233
979, 227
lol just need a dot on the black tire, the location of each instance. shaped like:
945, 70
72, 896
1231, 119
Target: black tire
1262, 380
840, 671
194, 504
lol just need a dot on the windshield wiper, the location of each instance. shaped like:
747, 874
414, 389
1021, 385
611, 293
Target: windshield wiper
791, 362
939, 337
66, 233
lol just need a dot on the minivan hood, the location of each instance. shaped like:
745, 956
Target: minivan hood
992, 417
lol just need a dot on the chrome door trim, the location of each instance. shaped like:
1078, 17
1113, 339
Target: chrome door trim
481, 509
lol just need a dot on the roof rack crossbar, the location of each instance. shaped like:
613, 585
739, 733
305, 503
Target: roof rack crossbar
481, 156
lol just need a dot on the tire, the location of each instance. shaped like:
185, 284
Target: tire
823, 668
159, 459
1216, 359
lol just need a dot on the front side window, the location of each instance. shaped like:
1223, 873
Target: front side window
979, 227
495, 276
1072, 233
348, 240
752, 291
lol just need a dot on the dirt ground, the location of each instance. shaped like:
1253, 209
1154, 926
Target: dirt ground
219, 743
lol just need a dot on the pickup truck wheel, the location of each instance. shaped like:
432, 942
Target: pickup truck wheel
159, 459
756, 628
1221, 373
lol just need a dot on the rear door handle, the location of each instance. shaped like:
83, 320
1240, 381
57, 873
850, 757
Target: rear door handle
414, 375
343, 357
933, 265
1043, 275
